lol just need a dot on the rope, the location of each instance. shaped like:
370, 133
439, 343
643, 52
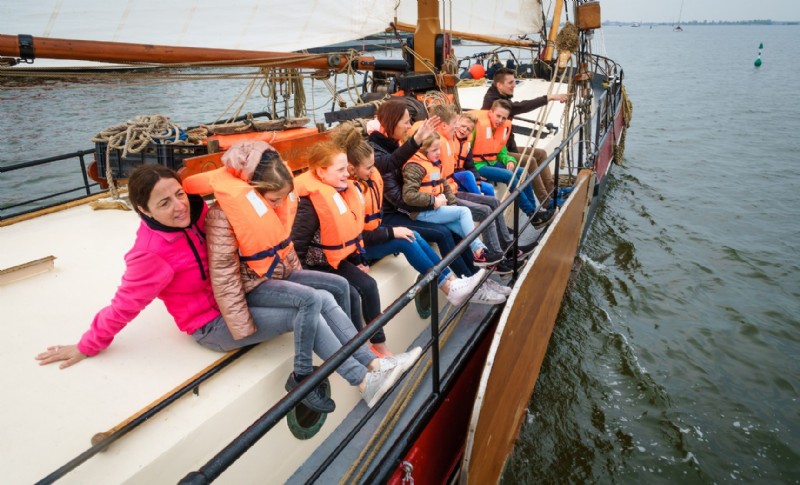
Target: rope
133, 136
379, 436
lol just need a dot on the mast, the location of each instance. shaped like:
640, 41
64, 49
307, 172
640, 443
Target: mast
428, 30
551, 38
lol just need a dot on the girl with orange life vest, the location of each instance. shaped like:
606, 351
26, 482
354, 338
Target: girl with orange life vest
257, 280
424, 187
380, 240
328, 231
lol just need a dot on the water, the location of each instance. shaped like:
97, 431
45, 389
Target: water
675, 354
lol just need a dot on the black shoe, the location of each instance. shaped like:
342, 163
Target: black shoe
526, 250
317, 400
505, 266
543, 217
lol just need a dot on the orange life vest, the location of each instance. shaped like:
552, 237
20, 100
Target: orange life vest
489, 141
263, 233
372, 189
341, 216
432, 183
464, 146
449, 159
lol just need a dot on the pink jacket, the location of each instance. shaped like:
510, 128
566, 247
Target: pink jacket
160, 265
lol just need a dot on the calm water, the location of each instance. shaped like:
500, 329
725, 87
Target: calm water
674, 358
675, 355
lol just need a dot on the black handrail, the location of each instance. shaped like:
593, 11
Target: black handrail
86, 187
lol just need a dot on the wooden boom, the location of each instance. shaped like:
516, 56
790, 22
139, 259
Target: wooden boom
119, 52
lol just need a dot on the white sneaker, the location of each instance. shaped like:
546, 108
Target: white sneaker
378, 382
485, 296
404, 361
497, 287
461, 288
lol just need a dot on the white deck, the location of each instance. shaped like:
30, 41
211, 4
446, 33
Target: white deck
49, 415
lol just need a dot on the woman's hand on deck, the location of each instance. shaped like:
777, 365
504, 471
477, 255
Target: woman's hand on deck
403, 233
68, 353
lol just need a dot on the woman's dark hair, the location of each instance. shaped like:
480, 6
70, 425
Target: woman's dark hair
389, 115
271, 173
142, 180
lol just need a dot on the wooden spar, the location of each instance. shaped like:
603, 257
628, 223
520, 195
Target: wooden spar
427, 29
474, 37
551, 38
119, 52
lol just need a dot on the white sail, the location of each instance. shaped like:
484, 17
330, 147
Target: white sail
278, 26
499, 19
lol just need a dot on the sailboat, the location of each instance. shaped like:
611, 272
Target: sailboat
157, 408
678, 27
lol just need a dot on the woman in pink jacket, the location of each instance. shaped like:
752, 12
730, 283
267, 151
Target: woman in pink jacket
169, 261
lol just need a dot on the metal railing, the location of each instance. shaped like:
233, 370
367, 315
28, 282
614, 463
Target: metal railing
86, 188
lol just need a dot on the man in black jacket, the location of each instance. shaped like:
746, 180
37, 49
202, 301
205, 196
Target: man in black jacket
503, 84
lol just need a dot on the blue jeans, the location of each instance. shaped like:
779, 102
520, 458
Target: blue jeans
318, 322
527, 201
443, 237
466, 182
418, 253
457, 219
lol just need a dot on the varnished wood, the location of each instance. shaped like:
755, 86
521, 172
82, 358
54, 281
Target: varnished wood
467, 36
120, 52
521, 343
50, 210
25, 270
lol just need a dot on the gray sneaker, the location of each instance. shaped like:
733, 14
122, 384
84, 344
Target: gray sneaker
486, 296
497, 287
378, 382
404, 361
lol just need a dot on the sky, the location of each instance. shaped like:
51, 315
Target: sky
667, 10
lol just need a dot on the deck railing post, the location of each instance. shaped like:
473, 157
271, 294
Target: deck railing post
433, 287
515, 246
83, 172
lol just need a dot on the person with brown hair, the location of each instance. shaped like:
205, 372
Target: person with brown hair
393, 148
503, 84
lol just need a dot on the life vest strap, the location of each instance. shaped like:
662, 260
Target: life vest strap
432, 183
344, 245
268, 253
372, 217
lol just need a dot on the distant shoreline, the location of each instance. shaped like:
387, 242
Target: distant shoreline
612, 23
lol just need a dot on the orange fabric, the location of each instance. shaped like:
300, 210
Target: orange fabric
262, 233
489, 140
341, 216
432, 183
449, 159
271, 137
373, 200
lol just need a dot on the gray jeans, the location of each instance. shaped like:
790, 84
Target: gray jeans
318, 322
496, 237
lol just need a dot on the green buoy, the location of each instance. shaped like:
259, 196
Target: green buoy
758, 60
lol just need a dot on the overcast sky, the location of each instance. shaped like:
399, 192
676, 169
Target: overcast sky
667, 10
